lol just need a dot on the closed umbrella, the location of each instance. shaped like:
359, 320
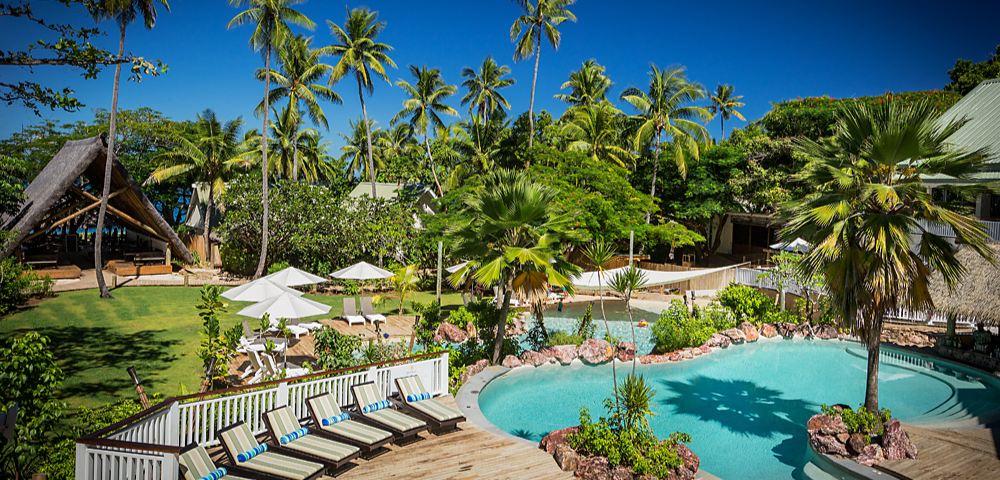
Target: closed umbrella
293, 277
258, 290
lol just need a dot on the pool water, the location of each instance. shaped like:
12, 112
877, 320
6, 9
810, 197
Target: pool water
617, 322
745, 407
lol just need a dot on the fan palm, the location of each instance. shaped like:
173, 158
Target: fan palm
625, 282
216, 153
595, 130
724, 104
513, 233
124, 13
355, 151
484, 87
361, 55
539, 19
426, 102
301, 68
588, 85
664, 110
270, 20
867, 216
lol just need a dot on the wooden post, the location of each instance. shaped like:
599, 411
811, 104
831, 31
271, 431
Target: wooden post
440, 253
631, 245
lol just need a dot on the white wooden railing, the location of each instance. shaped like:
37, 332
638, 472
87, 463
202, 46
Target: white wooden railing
992, 229
146, 446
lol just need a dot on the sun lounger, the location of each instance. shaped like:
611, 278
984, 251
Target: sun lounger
416, 401
195, 464
323, 408
351, 313
245, 452
291, 370
256, 369
377, 411
369, 312
288, 434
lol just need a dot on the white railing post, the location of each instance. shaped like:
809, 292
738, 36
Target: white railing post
443, 374
170, 469
281, 395
173, 426
82, 465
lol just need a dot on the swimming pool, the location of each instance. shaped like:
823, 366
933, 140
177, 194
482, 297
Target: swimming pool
617, 322
746, 406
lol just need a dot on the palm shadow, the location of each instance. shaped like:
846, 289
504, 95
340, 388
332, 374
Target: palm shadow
526, 434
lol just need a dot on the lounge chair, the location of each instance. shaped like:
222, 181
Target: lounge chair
288, 434
195, 464
351, 313
254, 341
369, 312
375, 410
256, 368
323, 408
245, 452
291, 370
416, 401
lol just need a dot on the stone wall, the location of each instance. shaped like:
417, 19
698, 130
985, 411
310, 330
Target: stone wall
973, 358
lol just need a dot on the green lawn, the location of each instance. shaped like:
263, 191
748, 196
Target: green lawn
154, 329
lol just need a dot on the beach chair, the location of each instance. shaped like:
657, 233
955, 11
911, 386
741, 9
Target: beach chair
351, 313
417, 402
291, 370
245, 452
376, 410
369, 312
288, 434
323, 409
195, 464
256, 369
255, 341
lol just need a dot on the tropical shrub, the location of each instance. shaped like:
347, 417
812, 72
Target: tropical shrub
861, 420
786, 316
429, 321
215, 343
559, 337
461, 318
747, 304
334, 350
676, 329
585, 325
719, 317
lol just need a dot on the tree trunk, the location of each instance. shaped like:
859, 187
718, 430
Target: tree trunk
108, 162
718, 235
600, 294
631, 324
208, 226
431, 160
723, 122
871, 386
263, 166
531, 105
368, 131
501, 332
295, 151
656, 163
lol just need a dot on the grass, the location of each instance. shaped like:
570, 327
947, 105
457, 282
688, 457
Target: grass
154, 329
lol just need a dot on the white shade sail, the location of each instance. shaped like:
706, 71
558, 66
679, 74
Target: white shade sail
291, 277
362, 271
258, 290
798, 245
285, 305
455, 268
653, 278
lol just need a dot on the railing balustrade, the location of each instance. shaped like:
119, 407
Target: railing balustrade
992, 229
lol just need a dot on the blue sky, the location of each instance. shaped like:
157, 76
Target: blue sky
769, 51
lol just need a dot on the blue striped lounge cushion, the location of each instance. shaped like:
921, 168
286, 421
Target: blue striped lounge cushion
253, 452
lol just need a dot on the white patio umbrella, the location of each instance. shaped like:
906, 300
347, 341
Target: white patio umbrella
258, 290
292, 277
798, 246
362, 271
285, 305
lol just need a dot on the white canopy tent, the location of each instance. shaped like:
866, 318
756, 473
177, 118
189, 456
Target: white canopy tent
654, 278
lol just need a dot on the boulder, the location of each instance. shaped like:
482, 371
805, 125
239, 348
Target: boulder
451, 333
474, 369
856, 443
768, 331
685, 354
735, 335
533, 358
749, 331
717, 340
565, 354
648, 359
471, 331
674, 356
703, 349
843, 437
511, 361
827, 444
825, 331
684, 473
438, 338
595, 351
691, 461
896, 443
566, 458
594, 468
626, 351
870, 455
622, 473
826, 425
785, 329
804, 330
556, 438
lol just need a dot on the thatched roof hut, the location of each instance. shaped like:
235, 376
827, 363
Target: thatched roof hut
128, 204
977, 297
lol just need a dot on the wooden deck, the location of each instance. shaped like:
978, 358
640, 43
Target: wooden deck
950, 454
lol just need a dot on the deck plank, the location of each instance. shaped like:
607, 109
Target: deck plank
950, 454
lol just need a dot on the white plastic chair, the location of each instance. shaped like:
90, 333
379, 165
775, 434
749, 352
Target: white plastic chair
351, 313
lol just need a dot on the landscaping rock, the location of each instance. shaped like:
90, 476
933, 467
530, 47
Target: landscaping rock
691, 461
718, 340
648, 359
565, 354
675, 357
566, 458
785, 329
511, 361
533, 358
825, 331
621, 473
896, 442
768, 331
451, 333
703, 349
474, 369
556, 438
438, 338
826, 425
804, 330
684, 473
594, 468
735, 335
685, 354
749, 331
827, 444
870, 455
471, 331
855, 444
626, 351
843, 437
594, 351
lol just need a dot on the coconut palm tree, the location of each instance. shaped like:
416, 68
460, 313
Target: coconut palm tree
123, 12
665, 111
588, 85
361, 55
216, 153
270, 20
514, 233
292, 146
625, 282
724, 104
355, 151
538, 20
397, 141
425, 104
596, 131
867, 217
479, 142
484, 87
301, 68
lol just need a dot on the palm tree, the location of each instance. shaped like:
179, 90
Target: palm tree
600, 255
725, 104
270, 20
484, 87
215, 154
625, 282
355, 150
425, 103
291, 146
665, 110
595, 130
479, 141
538, 20
301, 67
123, 12
588, 85
867, 216
405, 281
397, 141
361, 54
514, 232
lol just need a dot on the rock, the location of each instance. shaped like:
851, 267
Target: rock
856, 443
694, 351
556, 438
621, 473
896, 443
749, 331
594, 468
804, 330
648, 359
533, 358
565, 354
691, 461
684, 473
437, 338
451, 333
626, 351
718, 340
839, 407
825, 331
511, 361
785, 329
815, 422
826, 425
735, 335
703, 349
566, 458
675, 357
827, 444
474, 369
870, 455
650, 477
471, 331
685, 354
595, 351
767, 330
843, 437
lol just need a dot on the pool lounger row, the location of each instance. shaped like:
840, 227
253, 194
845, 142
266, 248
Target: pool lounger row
334, 439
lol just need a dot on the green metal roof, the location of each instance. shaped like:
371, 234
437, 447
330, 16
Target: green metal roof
981, 107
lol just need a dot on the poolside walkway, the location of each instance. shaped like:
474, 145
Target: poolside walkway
950, 454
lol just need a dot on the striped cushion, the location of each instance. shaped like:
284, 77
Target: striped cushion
326, 422
238, 439
322, 448
324, 406
410, 386
358, 431
376, 406
215, 474
283, 466
366, 394
293, 436
253, 452
416, 398
196, 463
437, 410
394, 419
282, 421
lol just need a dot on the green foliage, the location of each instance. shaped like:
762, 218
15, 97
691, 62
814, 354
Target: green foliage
430, 320
715, 315
861, 420
747, 304
382, 351
215, 343
634, 397
585, 325
405, 281
966, 74
18, 283
334, 350
559, 337
676, 329
277, 267
785, 316
461, 317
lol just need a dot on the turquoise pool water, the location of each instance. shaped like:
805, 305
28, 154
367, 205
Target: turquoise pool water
617, 322
745, 407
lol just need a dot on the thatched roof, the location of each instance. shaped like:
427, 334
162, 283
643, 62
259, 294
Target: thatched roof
977, 297
86, 158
